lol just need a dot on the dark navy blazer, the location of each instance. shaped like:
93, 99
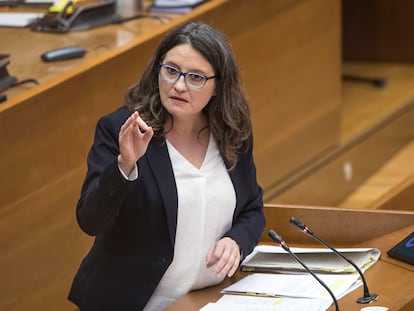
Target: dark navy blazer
135, 221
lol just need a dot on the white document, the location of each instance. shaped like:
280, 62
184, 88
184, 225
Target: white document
294, 285
248, 303
13, 19
275, 258
175, 3
39, 1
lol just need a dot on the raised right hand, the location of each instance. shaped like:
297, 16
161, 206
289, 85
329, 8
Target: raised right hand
134, 138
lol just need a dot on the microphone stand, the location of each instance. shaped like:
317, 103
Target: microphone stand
278, 240
367, 298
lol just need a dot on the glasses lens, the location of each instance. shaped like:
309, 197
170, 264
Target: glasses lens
169, 73
195, 80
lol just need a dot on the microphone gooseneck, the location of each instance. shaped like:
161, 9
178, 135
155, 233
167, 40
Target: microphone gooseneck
368, 297
278, 240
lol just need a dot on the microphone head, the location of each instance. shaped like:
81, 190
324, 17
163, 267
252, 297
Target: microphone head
297, 223
278, 240
275, 237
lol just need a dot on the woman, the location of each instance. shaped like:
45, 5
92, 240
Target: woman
171, 192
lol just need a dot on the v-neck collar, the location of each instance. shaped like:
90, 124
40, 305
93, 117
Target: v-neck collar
175, 153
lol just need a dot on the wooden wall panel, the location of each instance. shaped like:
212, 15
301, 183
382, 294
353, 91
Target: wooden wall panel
378, 30
41, 247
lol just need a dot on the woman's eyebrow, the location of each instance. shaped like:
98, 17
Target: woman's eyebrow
171, 63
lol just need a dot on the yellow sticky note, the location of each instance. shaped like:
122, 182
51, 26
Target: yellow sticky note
59, 5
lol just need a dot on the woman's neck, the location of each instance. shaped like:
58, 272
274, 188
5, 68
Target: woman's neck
188, 128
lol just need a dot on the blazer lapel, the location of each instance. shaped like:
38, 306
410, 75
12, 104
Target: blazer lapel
159, 160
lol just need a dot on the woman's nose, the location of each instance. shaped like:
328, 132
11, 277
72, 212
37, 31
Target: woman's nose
180, 84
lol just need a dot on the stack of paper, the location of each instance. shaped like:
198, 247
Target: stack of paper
266, 258
174, 6
293, 288
249, 303
291, 285
291, 292
173, 3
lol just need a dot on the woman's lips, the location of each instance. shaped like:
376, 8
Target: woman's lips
175, 98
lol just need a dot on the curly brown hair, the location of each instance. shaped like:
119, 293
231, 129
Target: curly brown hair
227, 112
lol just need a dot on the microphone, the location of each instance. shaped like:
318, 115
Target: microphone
378, 82
278, 240
367, 298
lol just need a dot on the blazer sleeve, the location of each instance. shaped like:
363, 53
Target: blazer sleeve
104, 187
248, 219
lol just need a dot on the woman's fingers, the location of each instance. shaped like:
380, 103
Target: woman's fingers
225, 255
134, 137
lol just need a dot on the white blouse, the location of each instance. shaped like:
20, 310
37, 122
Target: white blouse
206, 203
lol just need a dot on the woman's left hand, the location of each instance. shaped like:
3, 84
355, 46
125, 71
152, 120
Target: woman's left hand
226, 255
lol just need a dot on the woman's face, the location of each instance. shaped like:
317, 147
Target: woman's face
180, 100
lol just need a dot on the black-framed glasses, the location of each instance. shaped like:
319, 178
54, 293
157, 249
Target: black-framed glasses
194, 80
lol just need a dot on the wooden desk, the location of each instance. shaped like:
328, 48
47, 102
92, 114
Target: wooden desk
389, 278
